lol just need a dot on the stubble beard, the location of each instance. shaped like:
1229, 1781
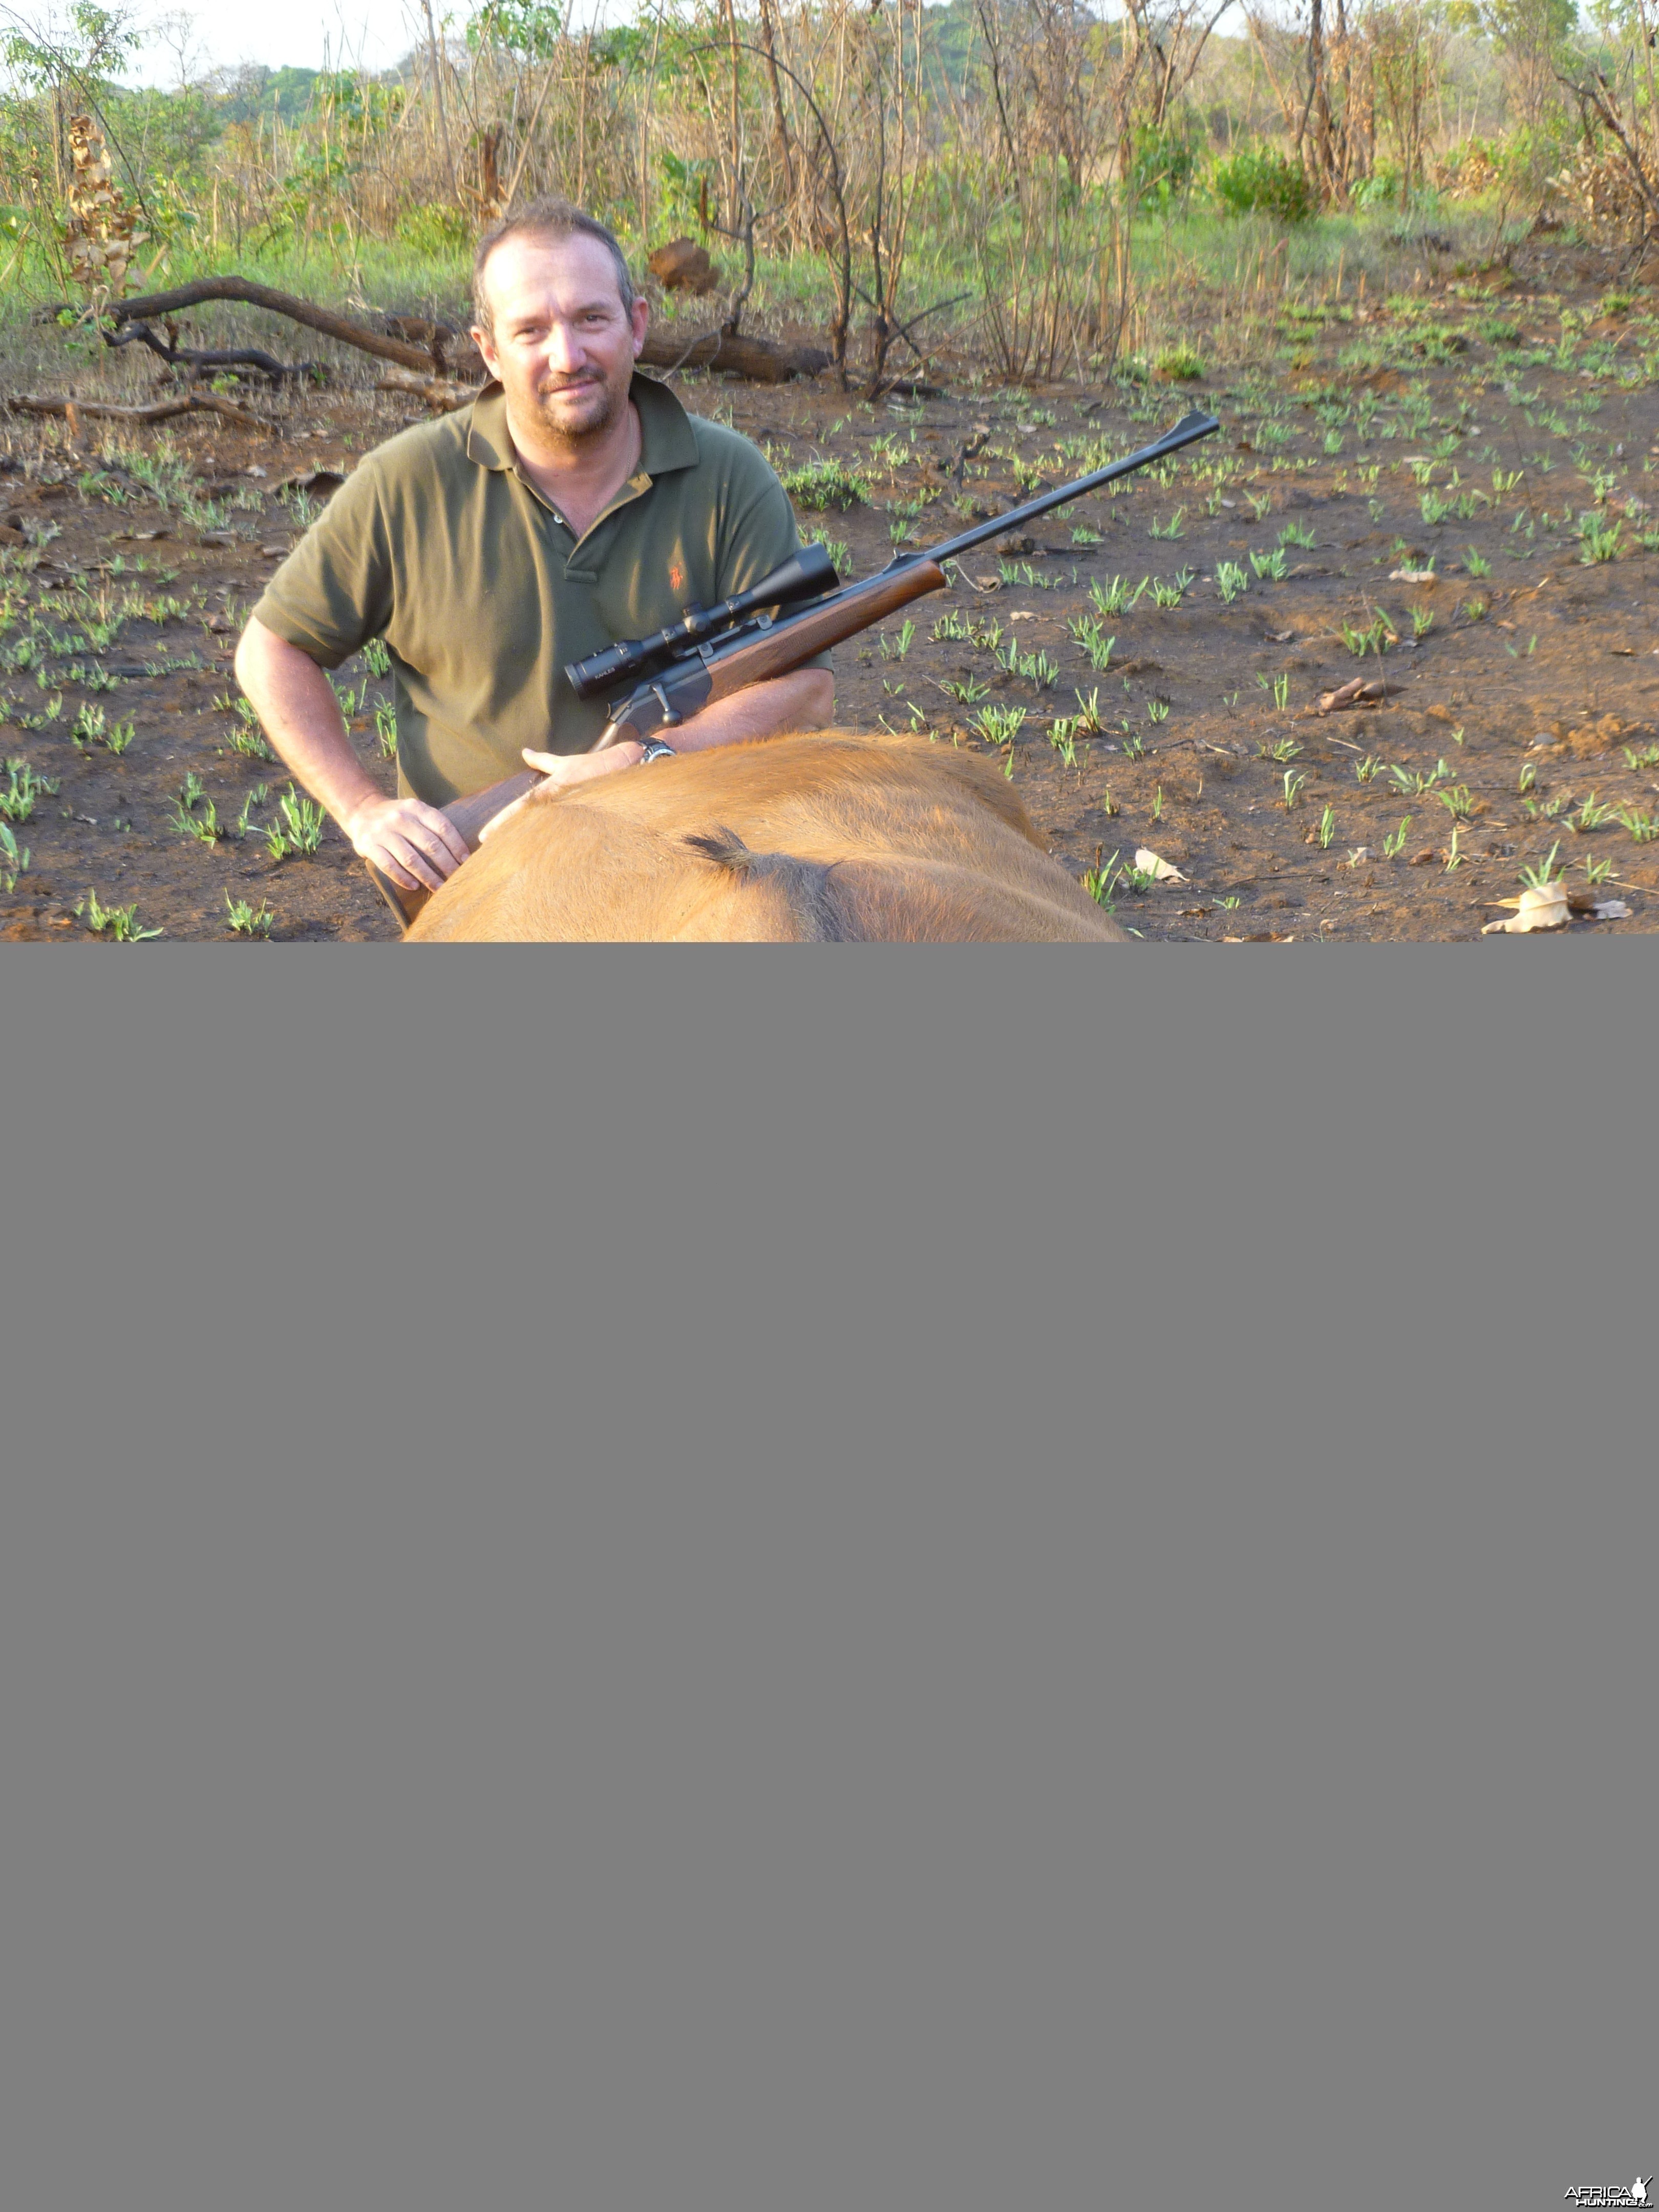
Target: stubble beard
601, 402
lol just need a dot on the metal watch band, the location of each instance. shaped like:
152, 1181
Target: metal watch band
655, 750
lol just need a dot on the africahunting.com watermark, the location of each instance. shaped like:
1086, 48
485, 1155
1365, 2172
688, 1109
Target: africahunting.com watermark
1603, 2195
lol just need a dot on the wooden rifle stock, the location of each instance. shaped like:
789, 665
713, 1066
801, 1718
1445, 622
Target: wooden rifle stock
790, 642
780, 649
470, 815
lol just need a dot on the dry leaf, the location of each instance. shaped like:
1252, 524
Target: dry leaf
101, 233
1534, 909
1159, 870
1356, 692
1412, 576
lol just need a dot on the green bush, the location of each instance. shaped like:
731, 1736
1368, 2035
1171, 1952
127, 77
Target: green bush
1380, 189
1260, 181
1165, 163
437, 230
825, 483
685, 188
1180, 361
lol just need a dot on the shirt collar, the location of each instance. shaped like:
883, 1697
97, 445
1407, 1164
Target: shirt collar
666, 439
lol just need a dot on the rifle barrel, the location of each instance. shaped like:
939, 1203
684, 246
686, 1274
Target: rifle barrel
1187, 431
658, 657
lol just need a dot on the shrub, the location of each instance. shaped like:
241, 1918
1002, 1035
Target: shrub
1260, 180
1180, 361
437, 230
1380, 189
1165, 163
825, 483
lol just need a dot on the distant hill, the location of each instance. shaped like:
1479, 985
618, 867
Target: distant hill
255, 90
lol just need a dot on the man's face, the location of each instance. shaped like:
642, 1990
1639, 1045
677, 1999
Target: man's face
563, 345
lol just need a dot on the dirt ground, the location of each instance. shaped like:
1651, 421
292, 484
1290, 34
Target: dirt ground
1498, 429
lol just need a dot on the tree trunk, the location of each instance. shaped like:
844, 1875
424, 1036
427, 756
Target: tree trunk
779, 125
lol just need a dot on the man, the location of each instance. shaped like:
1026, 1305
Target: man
575, 502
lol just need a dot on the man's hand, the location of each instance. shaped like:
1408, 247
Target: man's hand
803, 700
559, 771
413, 844
409, 840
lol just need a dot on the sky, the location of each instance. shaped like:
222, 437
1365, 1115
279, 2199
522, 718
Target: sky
299, 32
374, 33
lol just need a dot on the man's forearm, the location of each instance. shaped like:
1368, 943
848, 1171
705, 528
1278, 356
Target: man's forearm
407, 840
296, 703
803, 700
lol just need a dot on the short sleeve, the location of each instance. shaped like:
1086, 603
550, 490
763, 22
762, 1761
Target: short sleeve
762, 534
334, 591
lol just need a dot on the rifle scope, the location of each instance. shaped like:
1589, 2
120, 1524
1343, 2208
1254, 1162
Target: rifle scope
802, 576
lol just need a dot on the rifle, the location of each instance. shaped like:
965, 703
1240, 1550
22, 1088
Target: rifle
712, 652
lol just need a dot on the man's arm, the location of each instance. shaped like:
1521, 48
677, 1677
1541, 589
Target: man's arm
803, 700
412, 842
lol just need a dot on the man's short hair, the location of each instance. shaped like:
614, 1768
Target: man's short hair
552, 218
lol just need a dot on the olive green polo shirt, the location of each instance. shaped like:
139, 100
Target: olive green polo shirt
437, 543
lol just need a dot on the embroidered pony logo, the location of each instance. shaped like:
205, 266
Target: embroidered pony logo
675, 576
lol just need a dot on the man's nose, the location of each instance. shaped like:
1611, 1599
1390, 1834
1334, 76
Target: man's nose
563, 348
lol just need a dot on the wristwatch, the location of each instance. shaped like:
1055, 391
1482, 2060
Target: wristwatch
655, 750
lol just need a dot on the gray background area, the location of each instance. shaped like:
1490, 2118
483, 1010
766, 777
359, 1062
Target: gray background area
764, 1581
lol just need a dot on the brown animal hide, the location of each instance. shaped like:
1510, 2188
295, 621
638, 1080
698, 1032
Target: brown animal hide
822, 836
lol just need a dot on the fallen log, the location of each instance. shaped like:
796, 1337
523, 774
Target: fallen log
157, 411
443, 399
758, 360
197, 360
439, 339
345, 331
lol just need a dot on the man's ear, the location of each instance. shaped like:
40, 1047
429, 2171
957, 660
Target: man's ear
641, 315
486, 346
